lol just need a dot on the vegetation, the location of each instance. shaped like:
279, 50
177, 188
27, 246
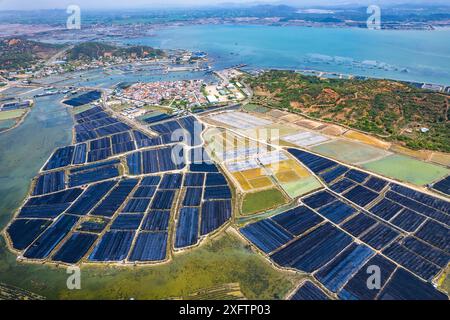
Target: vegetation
227, 291
12, 293
80, 109
255, 108
89, 51
139, 52
16, 54
262, 200
444, 281
12, 114
222, 260
301, 187
97, 50
407, 169
390, 109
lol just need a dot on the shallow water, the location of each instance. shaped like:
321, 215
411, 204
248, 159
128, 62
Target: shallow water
26, 148
22, 152
6, 124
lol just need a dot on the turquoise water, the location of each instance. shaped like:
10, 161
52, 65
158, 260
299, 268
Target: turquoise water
421, 56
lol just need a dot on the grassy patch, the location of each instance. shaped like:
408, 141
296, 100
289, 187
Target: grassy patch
80, 109
407, 169
255, 108
301, 187
119, 106
156, 108
227, 291
225, 259
349, 151
220, 261
263, 200
12, 114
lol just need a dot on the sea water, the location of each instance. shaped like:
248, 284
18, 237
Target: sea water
410, 55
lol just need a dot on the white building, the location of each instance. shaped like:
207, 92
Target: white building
212, 99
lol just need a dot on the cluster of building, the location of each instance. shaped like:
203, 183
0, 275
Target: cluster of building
133, 112
225, 92
156, 93
226, 75
108, 60
188, 60
62, 66
229, 89
436, 87
22, 75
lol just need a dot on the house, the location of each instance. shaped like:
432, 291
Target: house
212, 99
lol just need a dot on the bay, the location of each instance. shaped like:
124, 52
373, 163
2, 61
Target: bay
410, 55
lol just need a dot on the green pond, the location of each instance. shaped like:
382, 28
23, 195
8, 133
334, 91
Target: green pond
349, 151
407, 169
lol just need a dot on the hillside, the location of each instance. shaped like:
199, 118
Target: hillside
19, 53
140, 52
89, 50
96, 50
390, 109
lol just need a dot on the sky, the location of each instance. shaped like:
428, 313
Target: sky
114, 4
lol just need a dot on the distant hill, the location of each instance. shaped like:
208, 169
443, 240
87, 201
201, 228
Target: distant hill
140, 52
390, 109
417, 14
96, 50
16, 53
89, 50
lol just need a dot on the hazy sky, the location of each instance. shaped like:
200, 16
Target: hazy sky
105, 4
